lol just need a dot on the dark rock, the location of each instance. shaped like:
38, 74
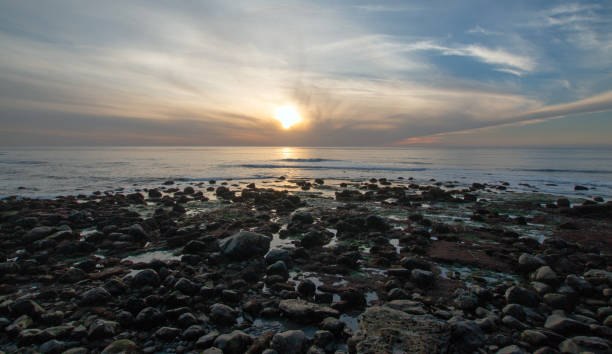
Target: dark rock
564, 325
223, 314
245, 245
167, 333
186, 286
582, 344
384, 330
206, 341
511, 349
522, 296
307, 288
149, 317
100, 329
422, 277
466, 336
146, 277
294, 342
95, 296
121, 346
236, 342
306, 312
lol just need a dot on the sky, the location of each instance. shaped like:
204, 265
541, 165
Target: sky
359, 73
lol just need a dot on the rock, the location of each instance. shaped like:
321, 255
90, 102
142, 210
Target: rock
422, 277
580, 188
557, 301
564, 325
598, 276
245, 245
186, 286
302, 217
511, 349
324, 339
100, 329
306, 312
314, 238
186, 319
582, 344
278, 268
27, 307
149, 317
522, 296
52, 346
580, 285
546, 275
193, 332
146, 277
236, 342
515, 311
333, 325
138, 232
167, 333
533, 337
276, 255
290, 342
384, 330
563, 203
213, 350
95, 296
121, 346
467, 336
37, 233
465, 300
528, 263
307, 288
376, 223
223, 314
207, 340
411, 263
31, 336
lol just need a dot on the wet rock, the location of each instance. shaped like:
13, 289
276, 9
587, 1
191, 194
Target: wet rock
121, 346
314, 238
411, 263
511, 349
276, 255
306, 312
534, 337
213, 350
53, 346
528, 263
422, 277
27, 307
146, 277
546, 275
167, 333
37, 233
408, 306
138, 232
223, 314
294, 342
580, 188
580, 285
384, 330
302, 217
307, 288
186, 286
558, 301
564, 325
522, 296
324, 339
245, 245
186, 319
466, 336
236, 342
31, 336
149, 317
465, 300
598, 276
207, 340
583, 344
333, 325
100, 329
95, 296
278, 268
193, 332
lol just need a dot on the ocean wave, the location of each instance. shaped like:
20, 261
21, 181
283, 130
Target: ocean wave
309, 167
308, 160
22, 162
553, 170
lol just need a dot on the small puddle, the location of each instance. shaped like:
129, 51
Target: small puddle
147, 257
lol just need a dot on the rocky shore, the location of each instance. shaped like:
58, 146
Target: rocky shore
307, 266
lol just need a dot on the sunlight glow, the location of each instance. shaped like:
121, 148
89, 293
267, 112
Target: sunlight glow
287, 115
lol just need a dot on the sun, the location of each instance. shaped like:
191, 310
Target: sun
287, 115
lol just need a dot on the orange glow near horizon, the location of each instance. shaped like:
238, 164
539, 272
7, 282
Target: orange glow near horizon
287, 116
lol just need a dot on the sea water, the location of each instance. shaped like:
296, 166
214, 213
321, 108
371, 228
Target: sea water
48, 172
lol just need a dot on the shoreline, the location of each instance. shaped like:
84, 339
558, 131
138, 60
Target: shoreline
259, 264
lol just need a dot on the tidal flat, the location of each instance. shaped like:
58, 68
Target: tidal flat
307, 266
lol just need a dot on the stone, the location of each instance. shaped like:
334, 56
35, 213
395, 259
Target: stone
385, 330
546, 275
236, 342
466, 336
244, 245
314, 238
207, 340
598, 276
52, 346
213, 350
27, 307
167, 333
121, 346
324, 339
306, 312
95, 296
193, 332
37, 233
511, 349
307, 288
146, 277
522, 296
528, 263
276, 255
222, 314
290, 342
278, 268
333, 325
422, 277
534, 337
583, 344
564, 325
149, 317
302, 217
580, 285
100, 329
465, 299
411, 263
186, 286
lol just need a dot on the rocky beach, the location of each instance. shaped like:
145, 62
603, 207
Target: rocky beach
307, 266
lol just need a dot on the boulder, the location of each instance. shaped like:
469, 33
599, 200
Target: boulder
522, 296
146, 277
306, 312
290, 342
385, 330
121, 346
564, 325
236, 342
244, 245
582, 344
95, 296
223, 314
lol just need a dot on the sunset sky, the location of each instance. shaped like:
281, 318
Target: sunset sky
358, 73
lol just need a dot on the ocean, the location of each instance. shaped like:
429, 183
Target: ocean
48, 172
